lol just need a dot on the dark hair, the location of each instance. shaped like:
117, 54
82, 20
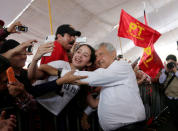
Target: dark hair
120, 56
92, 56
171, 57
8, 44
66, 28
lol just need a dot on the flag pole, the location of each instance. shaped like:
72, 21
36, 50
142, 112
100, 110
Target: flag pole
50, 17
121, 46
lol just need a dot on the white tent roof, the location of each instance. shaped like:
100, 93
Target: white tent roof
96, 20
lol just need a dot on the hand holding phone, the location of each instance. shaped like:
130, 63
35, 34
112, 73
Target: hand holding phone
29, 49
21, 28
49, 39
10, 75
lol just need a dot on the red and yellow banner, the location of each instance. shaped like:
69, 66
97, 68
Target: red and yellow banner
150, 62
136, 31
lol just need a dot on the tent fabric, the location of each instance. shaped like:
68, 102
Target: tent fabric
96, 19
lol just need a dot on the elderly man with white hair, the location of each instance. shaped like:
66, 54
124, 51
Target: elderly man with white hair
120, 105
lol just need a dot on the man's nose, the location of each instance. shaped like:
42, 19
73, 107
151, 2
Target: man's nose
80, 55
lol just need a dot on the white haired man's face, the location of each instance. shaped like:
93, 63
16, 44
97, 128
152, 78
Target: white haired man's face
104, 58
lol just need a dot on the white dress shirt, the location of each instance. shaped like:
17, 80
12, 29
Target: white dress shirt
120, 102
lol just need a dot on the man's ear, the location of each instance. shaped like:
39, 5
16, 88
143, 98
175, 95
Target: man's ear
59, 36
114, 54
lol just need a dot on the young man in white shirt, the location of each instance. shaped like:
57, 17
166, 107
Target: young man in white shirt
120, 103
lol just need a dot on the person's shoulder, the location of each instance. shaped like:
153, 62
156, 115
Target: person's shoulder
59, 64
57, 44
58, 47
121, 62
121, 65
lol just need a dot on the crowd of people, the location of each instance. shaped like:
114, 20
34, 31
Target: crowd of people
78, 79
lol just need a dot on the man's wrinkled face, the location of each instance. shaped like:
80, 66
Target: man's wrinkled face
104, 58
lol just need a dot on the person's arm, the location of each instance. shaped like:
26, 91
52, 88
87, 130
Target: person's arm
17, 50
84, 120
89, 110
33, 72
106, 77
51, 71
42, 89
39, 90
140, 81
11, 29
5, 57
163, 76
92, 102
175, 71
3, 34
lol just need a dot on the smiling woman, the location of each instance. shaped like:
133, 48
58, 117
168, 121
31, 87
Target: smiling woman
98, 20
83, 57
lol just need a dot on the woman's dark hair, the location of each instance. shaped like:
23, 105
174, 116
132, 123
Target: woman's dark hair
92, 56
8, 44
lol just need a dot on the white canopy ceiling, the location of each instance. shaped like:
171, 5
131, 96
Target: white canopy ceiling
96, 20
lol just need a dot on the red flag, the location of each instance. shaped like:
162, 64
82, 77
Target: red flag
150, 62
133, 29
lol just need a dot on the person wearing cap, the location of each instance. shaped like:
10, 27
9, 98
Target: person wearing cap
64, 40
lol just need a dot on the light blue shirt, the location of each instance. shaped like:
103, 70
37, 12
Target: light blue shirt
163, 76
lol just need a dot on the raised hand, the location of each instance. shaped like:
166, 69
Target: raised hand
15, 88
43, 49
69, 78
11, 28
7, 124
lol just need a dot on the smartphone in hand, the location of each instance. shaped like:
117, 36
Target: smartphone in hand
10, 75
21, 28
49, 39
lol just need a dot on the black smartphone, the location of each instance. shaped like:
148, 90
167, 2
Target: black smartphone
30, 49
21, 28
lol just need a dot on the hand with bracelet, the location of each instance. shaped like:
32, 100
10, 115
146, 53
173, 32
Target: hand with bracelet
69, 78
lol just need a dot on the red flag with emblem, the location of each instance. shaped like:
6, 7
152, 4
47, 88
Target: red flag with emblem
136, 31
150, 62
